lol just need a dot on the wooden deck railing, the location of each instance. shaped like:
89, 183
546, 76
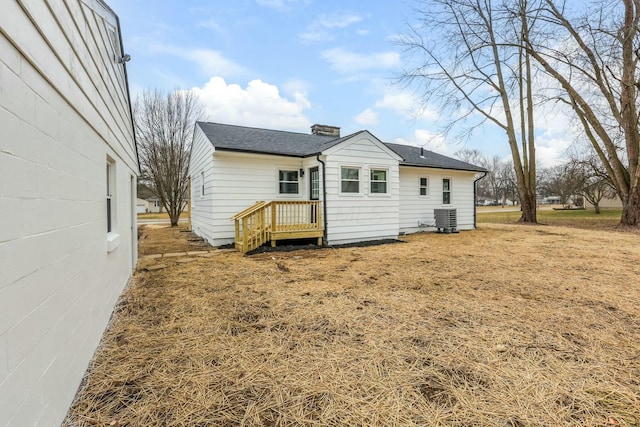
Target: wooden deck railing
277, 220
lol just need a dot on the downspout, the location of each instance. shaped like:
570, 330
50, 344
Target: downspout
475, 208
324, 199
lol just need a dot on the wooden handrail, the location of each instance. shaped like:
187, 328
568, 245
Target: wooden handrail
277, 220
251, 209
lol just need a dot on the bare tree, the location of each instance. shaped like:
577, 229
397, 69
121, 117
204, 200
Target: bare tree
478, 65
475, 157
594, 58
470, 155
164, 124
597, 184
563, 180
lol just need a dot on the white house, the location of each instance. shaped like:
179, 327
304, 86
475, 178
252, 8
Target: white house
367, 189
68, 168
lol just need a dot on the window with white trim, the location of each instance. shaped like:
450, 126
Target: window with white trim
288, 181
378, 181
349, 180
201, 183
446, 191
424, 186
110, 184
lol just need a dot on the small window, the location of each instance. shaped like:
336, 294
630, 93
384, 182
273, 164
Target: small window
350, 180
446, 191
378, 181
424, 186
110, 184
288, 182
202, 184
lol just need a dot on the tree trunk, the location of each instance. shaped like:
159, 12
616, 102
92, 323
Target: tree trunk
631, 209
528, 208
597, 207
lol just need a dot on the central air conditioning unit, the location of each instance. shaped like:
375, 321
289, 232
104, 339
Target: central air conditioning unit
446, 220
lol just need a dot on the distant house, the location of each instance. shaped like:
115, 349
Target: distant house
68, 170
339, 189
151, 201
606, 202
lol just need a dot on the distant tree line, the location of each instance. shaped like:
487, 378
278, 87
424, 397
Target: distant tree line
581, 178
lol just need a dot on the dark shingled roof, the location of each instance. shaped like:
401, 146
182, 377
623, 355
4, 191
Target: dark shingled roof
254, 140
294, 144
412, 157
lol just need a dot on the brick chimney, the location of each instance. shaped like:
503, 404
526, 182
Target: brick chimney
325, 130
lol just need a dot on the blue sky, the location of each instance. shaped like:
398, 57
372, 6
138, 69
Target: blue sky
287, 64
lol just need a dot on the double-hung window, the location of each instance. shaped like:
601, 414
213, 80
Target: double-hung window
349, 180
424, 186
110, 191
378, 181
446, 191
288, 181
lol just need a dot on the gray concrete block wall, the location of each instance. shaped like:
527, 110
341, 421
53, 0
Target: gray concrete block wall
58, 281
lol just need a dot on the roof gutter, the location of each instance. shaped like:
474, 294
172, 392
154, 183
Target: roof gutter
475, 207
324, 199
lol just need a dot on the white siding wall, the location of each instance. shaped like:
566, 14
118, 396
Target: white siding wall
233, 182
61, 114
201, 206
364, 216
415, 208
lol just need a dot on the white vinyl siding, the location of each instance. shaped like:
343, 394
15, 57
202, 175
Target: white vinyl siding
364, 215
235, 181
415, 208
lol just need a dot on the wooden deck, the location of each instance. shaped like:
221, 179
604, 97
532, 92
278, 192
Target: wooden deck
277, 220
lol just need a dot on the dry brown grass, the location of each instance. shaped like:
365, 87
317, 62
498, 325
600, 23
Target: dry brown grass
503, 326
157, 239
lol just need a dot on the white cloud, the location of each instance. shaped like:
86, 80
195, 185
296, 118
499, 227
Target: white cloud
336, 20
259, 105
347, 62
213, 25
429, 140
298, 89
367, 118
408, 105
210, 62
400, 102
323, 29
276, 4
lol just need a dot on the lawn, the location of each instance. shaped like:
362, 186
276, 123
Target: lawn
609, 218
152, 215
506, 325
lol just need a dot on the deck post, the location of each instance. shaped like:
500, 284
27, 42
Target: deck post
274, 222
245, 235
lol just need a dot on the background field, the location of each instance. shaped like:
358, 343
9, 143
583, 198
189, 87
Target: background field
608, 219
506, 325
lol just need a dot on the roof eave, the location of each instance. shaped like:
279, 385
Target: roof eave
266, 153
417, 165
